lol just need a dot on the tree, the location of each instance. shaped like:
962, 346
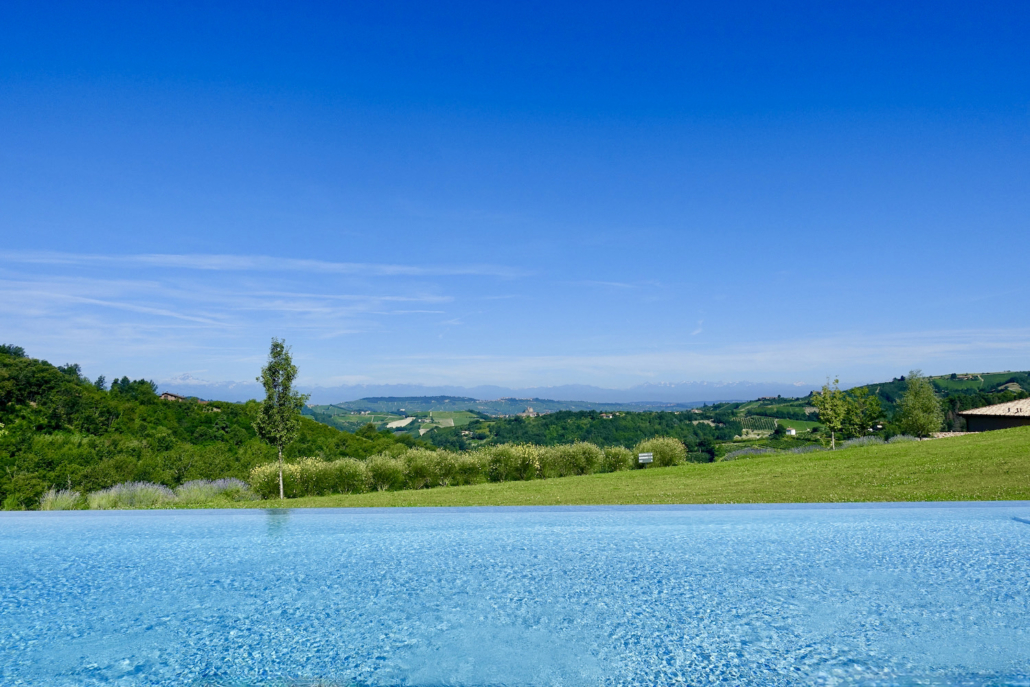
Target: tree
864, 412
279, 416
835, 409
919, 411
12, 350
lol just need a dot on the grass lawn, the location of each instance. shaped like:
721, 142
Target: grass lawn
981, 467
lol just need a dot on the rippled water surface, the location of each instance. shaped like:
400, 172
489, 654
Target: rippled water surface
872, 595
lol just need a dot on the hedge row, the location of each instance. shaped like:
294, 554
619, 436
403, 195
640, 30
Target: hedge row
424, 469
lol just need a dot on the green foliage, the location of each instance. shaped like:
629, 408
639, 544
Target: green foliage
278, 420
920, 413
509, 462
847, 413
602, 429
864, 411
311, 477
63, 499
12, 351
131, 495
385, 473
419, 468
616, 458
982, 467
667, 451
581, 458
833, 409
62, 431
759, 423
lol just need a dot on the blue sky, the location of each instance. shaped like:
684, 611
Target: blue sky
525, 195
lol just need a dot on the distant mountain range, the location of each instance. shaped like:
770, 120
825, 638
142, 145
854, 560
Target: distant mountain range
664, 393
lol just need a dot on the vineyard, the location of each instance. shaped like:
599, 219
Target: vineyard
757, 423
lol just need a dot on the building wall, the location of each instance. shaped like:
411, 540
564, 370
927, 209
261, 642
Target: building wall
986, 423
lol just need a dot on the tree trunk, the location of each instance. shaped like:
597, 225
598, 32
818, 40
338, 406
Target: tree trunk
833, 447
280, 473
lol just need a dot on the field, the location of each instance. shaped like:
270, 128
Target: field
757, 423
451, 418
799, 425
981, 467
979, 382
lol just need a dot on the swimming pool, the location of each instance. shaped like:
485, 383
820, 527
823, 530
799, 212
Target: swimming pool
823, 595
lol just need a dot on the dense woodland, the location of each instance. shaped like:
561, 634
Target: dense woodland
60, 429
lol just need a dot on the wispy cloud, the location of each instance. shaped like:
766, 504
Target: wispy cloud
257, 263
854, 357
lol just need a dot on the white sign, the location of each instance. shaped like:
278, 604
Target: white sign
645, 457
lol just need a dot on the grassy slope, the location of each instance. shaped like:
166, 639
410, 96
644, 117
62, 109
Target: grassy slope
982, 467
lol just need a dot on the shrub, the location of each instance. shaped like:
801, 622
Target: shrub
453, 469
131, 495
616, 458
580, 458
862, 441
421, 468
385, 473
805, 449
350, 476
667, 451
65, 499
201, 490
264, 480
746, 452
311, 477
900, 438
508, 462
468, 468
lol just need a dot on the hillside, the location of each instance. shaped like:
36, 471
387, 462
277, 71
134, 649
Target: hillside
981, 467
60, 429
501, 407
625, 424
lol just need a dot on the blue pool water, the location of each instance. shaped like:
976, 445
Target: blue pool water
868, 595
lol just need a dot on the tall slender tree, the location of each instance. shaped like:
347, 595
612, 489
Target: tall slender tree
279, 417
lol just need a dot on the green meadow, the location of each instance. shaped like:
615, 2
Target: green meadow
981, 467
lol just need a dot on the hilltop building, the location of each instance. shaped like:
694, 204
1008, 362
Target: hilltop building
1001, 416
167, 396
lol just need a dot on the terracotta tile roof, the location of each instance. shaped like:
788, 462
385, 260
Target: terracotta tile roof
1018, 408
